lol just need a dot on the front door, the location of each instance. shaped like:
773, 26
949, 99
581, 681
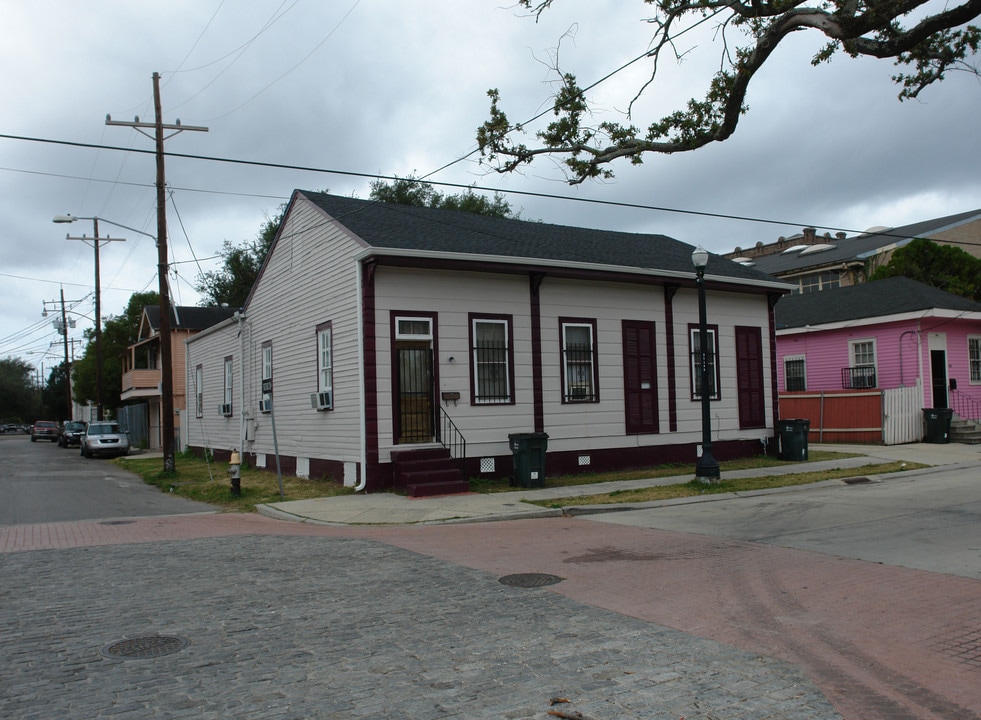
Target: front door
938, 377
414, 386
639, 377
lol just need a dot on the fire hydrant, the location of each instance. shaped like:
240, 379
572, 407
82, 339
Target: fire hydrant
235, 472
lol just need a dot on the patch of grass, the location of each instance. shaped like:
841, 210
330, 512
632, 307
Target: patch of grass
695, 488
209, 483
482, 485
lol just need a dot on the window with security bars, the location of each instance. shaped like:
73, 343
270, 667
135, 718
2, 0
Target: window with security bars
695, 343
974, 358
579, 363
794, 374
491, 361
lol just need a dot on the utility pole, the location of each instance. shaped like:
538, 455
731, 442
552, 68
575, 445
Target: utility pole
98, 312
62, 327
166, 361
68, 368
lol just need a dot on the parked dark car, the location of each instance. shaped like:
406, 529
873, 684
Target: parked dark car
45, 430
104, 438
71, 433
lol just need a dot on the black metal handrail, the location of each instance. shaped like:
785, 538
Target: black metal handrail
965, 406
451, 438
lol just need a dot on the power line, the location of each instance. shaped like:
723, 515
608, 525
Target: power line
462, 186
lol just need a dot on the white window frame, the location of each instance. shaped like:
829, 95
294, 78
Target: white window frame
794, 359
853, 357
974, 359
479, 364
405, 335
592, 396
267, 374
694, 336
228, 385
199, 391
325, 360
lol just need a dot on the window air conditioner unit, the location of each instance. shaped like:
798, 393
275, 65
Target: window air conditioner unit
265, 406
225, 409
322, 400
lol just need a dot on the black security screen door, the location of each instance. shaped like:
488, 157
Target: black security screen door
415, 394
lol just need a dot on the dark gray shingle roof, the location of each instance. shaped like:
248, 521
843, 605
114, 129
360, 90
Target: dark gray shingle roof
189, 317
404, 227
891, 296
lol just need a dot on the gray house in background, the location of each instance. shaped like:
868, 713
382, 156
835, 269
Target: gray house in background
382, 338
814, 262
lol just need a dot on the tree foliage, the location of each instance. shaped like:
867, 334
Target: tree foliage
16, 392
232, 282
118, 333
412, 191
946, 267
926, 38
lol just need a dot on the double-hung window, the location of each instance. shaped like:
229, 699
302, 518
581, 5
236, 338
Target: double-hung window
199, 391
712, 352
974, 357
491, 358
579, 368
265, 404
862, 371
229, 376
325, 367
795, 373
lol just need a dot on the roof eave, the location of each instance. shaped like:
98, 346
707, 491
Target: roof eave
939, 313
567, 265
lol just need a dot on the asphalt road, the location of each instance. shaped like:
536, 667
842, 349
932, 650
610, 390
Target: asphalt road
927, 521
41, 482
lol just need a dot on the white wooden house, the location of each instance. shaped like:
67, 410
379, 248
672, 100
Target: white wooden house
385, 330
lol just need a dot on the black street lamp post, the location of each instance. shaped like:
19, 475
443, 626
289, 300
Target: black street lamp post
707, 468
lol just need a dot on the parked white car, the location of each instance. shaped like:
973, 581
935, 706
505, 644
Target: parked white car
104, 439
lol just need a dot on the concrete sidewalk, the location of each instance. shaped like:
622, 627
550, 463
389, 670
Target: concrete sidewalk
390, 509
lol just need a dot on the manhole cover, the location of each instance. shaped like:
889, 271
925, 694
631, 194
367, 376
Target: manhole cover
117, 522
145, 647
530, 580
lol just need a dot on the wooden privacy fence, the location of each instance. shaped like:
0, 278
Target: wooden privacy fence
890, 417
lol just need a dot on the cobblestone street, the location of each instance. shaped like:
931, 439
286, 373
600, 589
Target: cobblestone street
329, 627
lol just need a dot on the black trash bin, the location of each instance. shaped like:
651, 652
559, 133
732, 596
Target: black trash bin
528, 450
937, 424
792, 438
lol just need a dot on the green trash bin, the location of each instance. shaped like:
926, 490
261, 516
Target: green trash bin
528, 450
937, 424
792, 438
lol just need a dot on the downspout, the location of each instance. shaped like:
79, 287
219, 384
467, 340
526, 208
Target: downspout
902, 377
240, 318
362, 400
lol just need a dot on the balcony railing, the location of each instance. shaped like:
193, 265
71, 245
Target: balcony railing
140, 380
858, 378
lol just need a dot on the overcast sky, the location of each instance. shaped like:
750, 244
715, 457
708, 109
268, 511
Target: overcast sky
366, 87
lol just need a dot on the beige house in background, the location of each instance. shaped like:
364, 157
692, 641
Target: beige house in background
141, 381
816, 262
